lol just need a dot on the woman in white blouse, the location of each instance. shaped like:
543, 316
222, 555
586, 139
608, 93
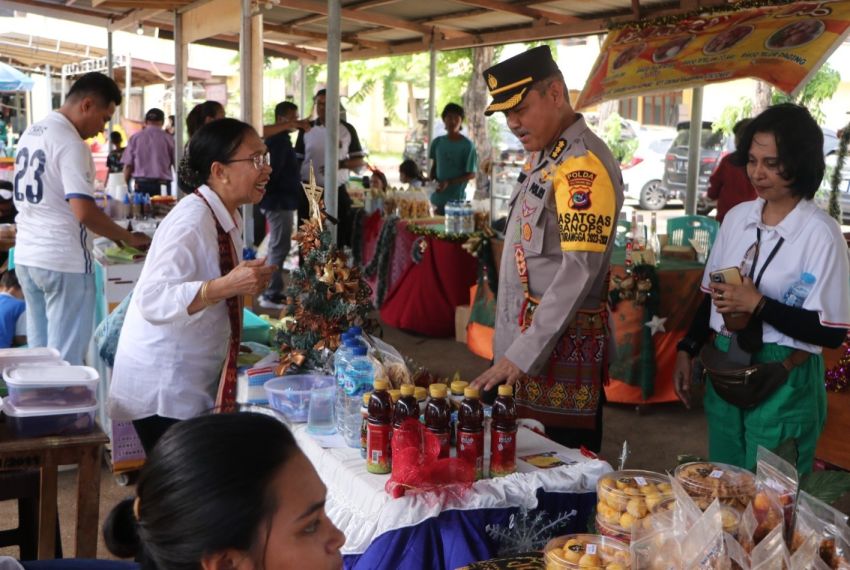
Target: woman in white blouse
177, 330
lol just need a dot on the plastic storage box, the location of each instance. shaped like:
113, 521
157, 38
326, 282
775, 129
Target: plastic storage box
51, 386
18, 356
627, 497
290, 395
586, 551
705, 481
40, 422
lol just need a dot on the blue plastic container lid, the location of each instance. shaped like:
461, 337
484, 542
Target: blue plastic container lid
359, 349
355, 331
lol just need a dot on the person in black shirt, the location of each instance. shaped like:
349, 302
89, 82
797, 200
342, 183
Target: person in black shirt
283, 197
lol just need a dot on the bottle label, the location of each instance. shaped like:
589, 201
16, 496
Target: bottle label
443, 438
502, 453
378, 448
470, 448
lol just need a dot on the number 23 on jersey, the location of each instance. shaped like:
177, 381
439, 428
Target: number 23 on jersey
28, 182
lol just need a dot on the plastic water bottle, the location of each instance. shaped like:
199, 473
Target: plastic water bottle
449, 217
469, 218
797, 293
359, 376
340, 361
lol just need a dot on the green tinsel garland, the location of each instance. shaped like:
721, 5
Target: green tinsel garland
835, 183
380, 264
699, 13
429, 231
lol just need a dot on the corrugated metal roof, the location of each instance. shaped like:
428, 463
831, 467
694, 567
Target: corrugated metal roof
379, 27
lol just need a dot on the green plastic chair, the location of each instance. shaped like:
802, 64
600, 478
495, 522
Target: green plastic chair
701, 229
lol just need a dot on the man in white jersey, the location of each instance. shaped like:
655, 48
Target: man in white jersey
310, 149
54, 195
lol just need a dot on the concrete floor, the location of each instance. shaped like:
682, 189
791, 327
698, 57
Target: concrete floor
655, 436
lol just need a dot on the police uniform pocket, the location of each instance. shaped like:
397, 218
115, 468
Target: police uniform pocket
532, 222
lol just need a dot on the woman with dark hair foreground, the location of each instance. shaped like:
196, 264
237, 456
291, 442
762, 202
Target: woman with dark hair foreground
226, 491
777, 288
176, 355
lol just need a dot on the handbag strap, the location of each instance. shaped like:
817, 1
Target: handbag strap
795, 359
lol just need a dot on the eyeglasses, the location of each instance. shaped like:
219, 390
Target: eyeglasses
259, 160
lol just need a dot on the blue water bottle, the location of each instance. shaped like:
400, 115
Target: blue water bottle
797, 293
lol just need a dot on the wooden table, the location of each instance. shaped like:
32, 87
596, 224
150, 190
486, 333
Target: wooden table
46, 454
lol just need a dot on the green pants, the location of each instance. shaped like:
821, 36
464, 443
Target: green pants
797, 409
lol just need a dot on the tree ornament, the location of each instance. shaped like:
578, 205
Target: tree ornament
314, 197
838, 377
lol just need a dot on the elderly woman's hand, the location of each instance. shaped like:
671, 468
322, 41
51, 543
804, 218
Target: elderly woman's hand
249, 277
728, 298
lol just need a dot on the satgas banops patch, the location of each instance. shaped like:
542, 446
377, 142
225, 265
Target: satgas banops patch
586, 203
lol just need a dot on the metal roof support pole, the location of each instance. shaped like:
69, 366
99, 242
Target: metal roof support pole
109, 73
64, 80
332, 112
302, 82
694, 144
128, 84
180, 54
432, 95
246, 59
48, 71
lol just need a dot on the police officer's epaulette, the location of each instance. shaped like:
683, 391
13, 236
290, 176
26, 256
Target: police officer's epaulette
558, 149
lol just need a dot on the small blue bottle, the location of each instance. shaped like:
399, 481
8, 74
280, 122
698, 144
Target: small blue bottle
797, 293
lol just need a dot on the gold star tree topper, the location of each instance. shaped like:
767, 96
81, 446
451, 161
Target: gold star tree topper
314, 195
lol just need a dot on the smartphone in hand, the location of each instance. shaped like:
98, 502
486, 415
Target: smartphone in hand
730, 275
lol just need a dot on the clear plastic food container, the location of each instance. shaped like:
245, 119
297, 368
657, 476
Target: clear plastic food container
18, 356
588, 551
40, 422
51, 386
627, 497
290, 395
705, 481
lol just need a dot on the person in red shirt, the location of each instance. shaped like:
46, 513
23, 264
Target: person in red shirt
729, 184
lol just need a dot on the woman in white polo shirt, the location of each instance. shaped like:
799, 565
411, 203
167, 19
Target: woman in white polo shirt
796, 289
177, 333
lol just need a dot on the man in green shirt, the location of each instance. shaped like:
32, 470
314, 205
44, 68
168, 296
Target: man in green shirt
454, 160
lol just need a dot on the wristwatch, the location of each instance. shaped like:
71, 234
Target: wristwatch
688, 345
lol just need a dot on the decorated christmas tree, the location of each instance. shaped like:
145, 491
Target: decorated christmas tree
325, 295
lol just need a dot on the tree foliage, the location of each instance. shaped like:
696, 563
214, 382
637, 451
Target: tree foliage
819, 89
622, 149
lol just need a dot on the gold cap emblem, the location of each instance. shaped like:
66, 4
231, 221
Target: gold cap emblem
491, 81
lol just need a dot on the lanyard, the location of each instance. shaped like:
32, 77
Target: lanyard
766, 261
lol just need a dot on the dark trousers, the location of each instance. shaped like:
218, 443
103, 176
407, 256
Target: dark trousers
150, 186
150, 429
591, 439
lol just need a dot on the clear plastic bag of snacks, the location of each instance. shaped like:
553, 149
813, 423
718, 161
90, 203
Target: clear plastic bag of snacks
705, 481
823, 526
738, 558
771, 553
687, 513
776, 481
627, 497
704, 548
586, 551
759, 518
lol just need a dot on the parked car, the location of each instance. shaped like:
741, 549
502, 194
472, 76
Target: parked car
714, 146
642, 174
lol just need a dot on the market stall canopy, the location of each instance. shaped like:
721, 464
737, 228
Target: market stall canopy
13, 80
782, 45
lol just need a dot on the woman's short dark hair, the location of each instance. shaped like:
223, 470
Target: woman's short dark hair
204, 489
199, 114
453, 108
216, 141
409, 169
116, 138
799, 146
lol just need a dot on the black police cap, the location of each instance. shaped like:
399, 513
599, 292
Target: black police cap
510, 81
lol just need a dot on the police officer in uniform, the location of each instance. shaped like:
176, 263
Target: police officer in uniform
551, 338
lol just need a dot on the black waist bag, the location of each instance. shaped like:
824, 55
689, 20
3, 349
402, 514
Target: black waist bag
747, 386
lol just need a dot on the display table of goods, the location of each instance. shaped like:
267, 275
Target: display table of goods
418, 276
450, 528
